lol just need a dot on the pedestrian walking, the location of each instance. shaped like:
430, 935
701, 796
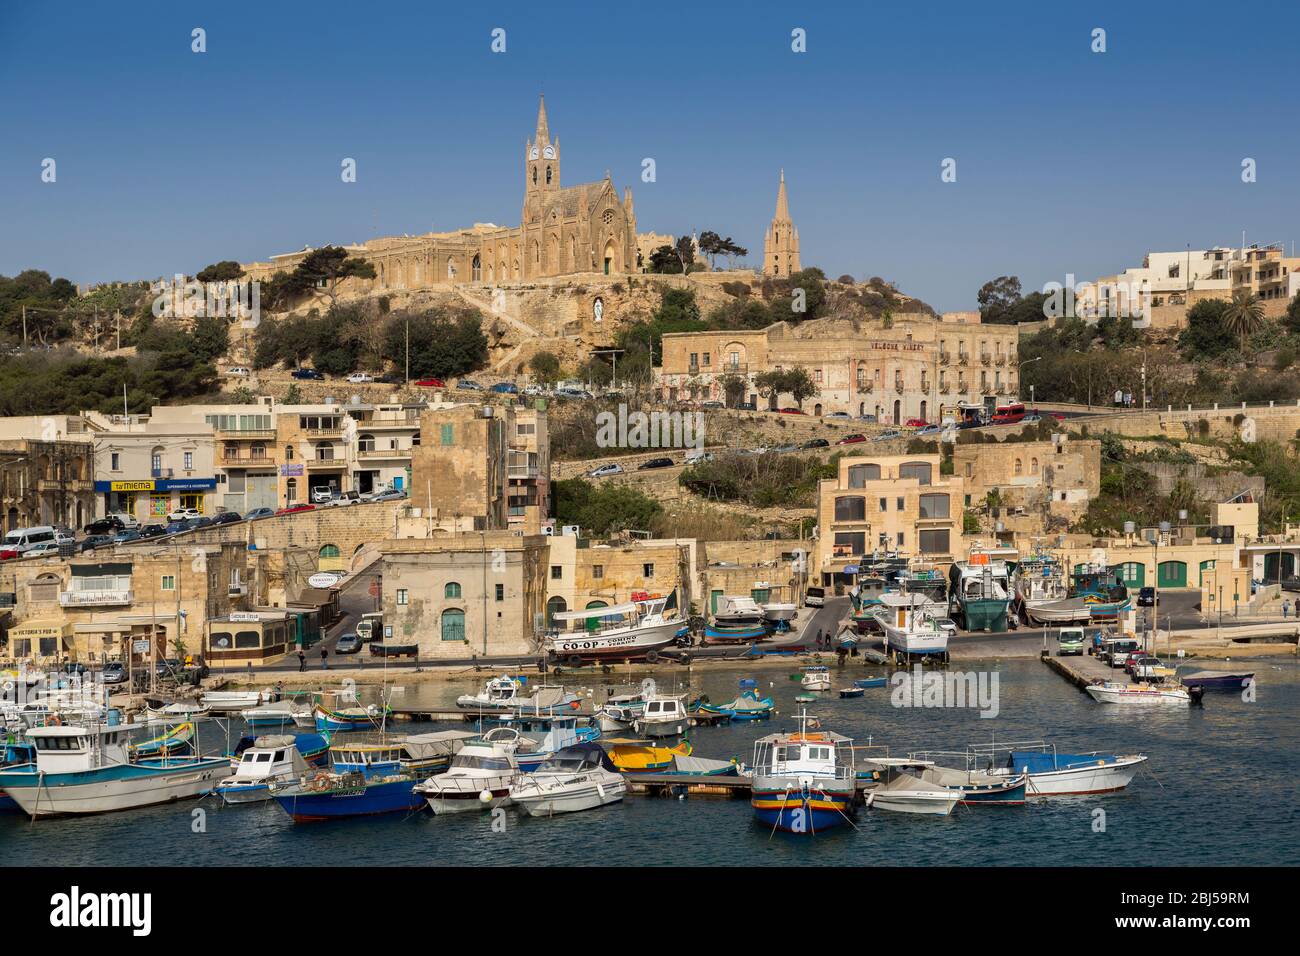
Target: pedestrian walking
1286, 609
302, 661
324, 659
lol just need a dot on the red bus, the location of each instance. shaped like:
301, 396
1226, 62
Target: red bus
1008, 414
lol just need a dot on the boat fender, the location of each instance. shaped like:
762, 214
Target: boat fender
575, 705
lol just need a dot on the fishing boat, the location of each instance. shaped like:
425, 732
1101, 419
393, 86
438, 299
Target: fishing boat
701, 711
847, 692
868, 682
406, 753
1102, 591
1117, 692
979, 592
175, 740
803, 782
738, 634
978, 789
313, 748
1053, 774
15, 753
636, 756
503, 693
1218, 680
779, 612
357, 717
268, 760
925, 579
738, 610
749, 706
907, 793
88, 769
479, 778
911, 629
664, 715
631, 631
1040, 594
277, 714
537, 736
816, 678
708, 767
580, 777
159, 711
327, 796
620, 711
233, 701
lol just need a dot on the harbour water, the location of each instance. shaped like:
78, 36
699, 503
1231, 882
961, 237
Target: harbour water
1219, 789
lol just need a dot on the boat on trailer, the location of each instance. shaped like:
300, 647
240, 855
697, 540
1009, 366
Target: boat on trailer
979, 592
637, 629
911, 629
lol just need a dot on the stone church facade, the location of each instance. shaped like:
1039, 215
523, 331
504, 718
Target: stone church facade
563, 230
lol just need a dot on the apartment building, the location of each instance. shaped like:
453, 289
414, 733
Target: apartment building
895, 371
46, 482
1057, 477
528, 506
461, 466
901, 504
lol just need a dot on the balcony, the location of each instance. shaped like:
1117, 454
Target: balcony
246, 434
528, 472
324, 464
379, 454
963, 360
944, 358
986, 359
1000, 360
336, 432
898, 387
866, 386
944, 389
235, 458
67, 484
114, 597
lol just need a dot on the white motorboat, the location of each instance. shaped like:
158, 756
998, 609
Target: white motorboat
157, 711
638, 629
539, 736
778, 611
1053, 774
738, 610
502, 695
816, 678
1116, 692
479, 778
910, 626
620, 711
580, 777
270, 760
279, 714
906, 793
663, 715
88, 769
232, 701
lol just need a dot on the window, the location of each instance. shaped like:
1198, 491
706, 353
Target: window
597, 570
900, 539
155, 461
1019, 467
447, 434
900, 504
288, 453
452, 591
401, 596
329, 551
851, 508
500, 592
706, 358
920, 470
934, 541
849, 544
648, 570
557, 572
970, 470
116, 461
884, 505
934, 506
1033, 466
168, 582
189, 461
859, 475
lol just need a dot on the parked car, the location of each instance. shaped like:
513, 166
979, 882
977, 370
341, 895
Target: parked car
204, 521
655, 463
431, 383
322, 494
469, 385
1057, 415
698, 457
506, 388
869, 419
568, 391
916, 423
129, 534
114, 672
815, 443
929, 430
838, 415
227, 517
181, 513
605, 470
7, 554
348, 644
390, 378
295, 509
888, 436
152, 530
1031, 419
258, 513
89, 543
360, 378
854, 439
793, 411
1149, 669
168, 667
534, 389
713, 405
389, 494
1147, 597
109, 525
180, 525
948, 626
746, 407
784, 449
309, 374
239, 370
123, 519
44, 549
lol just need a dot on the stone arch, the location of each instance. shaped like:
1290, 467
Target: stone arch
451, 268
476, 269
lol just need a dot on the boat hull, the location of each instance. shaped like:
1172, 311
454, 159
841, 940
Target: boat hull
1081, 779
573, 794
394, 796
1059, 611
1219, 682
619, 644
915, 801
984, 614
1143, 695
123, 787
798, 812
463, 794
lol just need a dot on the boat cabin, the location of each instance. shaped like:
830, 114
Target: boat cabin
818, 754
70, 749
663, 708
418, 753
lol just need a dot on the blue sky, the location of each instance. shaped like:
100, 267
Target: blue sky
1067, 161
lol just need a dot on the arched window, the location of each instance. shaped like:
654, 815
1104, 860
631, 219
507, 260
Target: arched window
554, 606
329, 551
288, 453
1020, 468
534, 175
325, 451
548, 175
155, 459
452, 591
475, 270
1033, 466
291, 490
365, 442
451, 267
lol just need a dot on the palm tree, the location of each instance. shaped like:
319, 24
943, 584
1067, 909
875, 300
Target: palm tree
1243, 316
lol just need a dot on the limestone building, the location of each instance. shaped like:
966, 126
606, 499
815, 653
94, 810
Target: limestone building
781, 243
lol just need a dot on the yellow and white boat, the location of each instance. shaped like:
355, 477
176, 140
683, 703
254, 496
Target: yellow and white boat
639, 756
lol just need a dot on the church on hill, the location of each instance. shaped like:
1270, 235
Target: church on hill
563, 230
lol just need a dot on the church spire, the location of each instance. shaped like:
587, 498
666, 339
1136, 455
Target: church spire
781, 243
782, 202
543, 131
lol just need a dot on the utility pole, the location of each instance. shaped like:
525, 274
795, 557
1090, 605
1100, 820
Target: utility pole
24, 328
408, 349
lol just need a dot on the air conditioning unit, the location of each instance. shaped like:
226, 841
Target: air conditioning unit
570, 529
548, 530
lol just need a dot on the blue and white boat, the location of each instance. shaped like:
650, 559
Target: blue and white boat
865, 682
804, 782
88, 769
16, 753
271, 759
313, 748
539, 736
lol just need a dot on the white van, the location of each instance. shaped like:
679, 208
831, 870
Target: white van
816, 597
23, 540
